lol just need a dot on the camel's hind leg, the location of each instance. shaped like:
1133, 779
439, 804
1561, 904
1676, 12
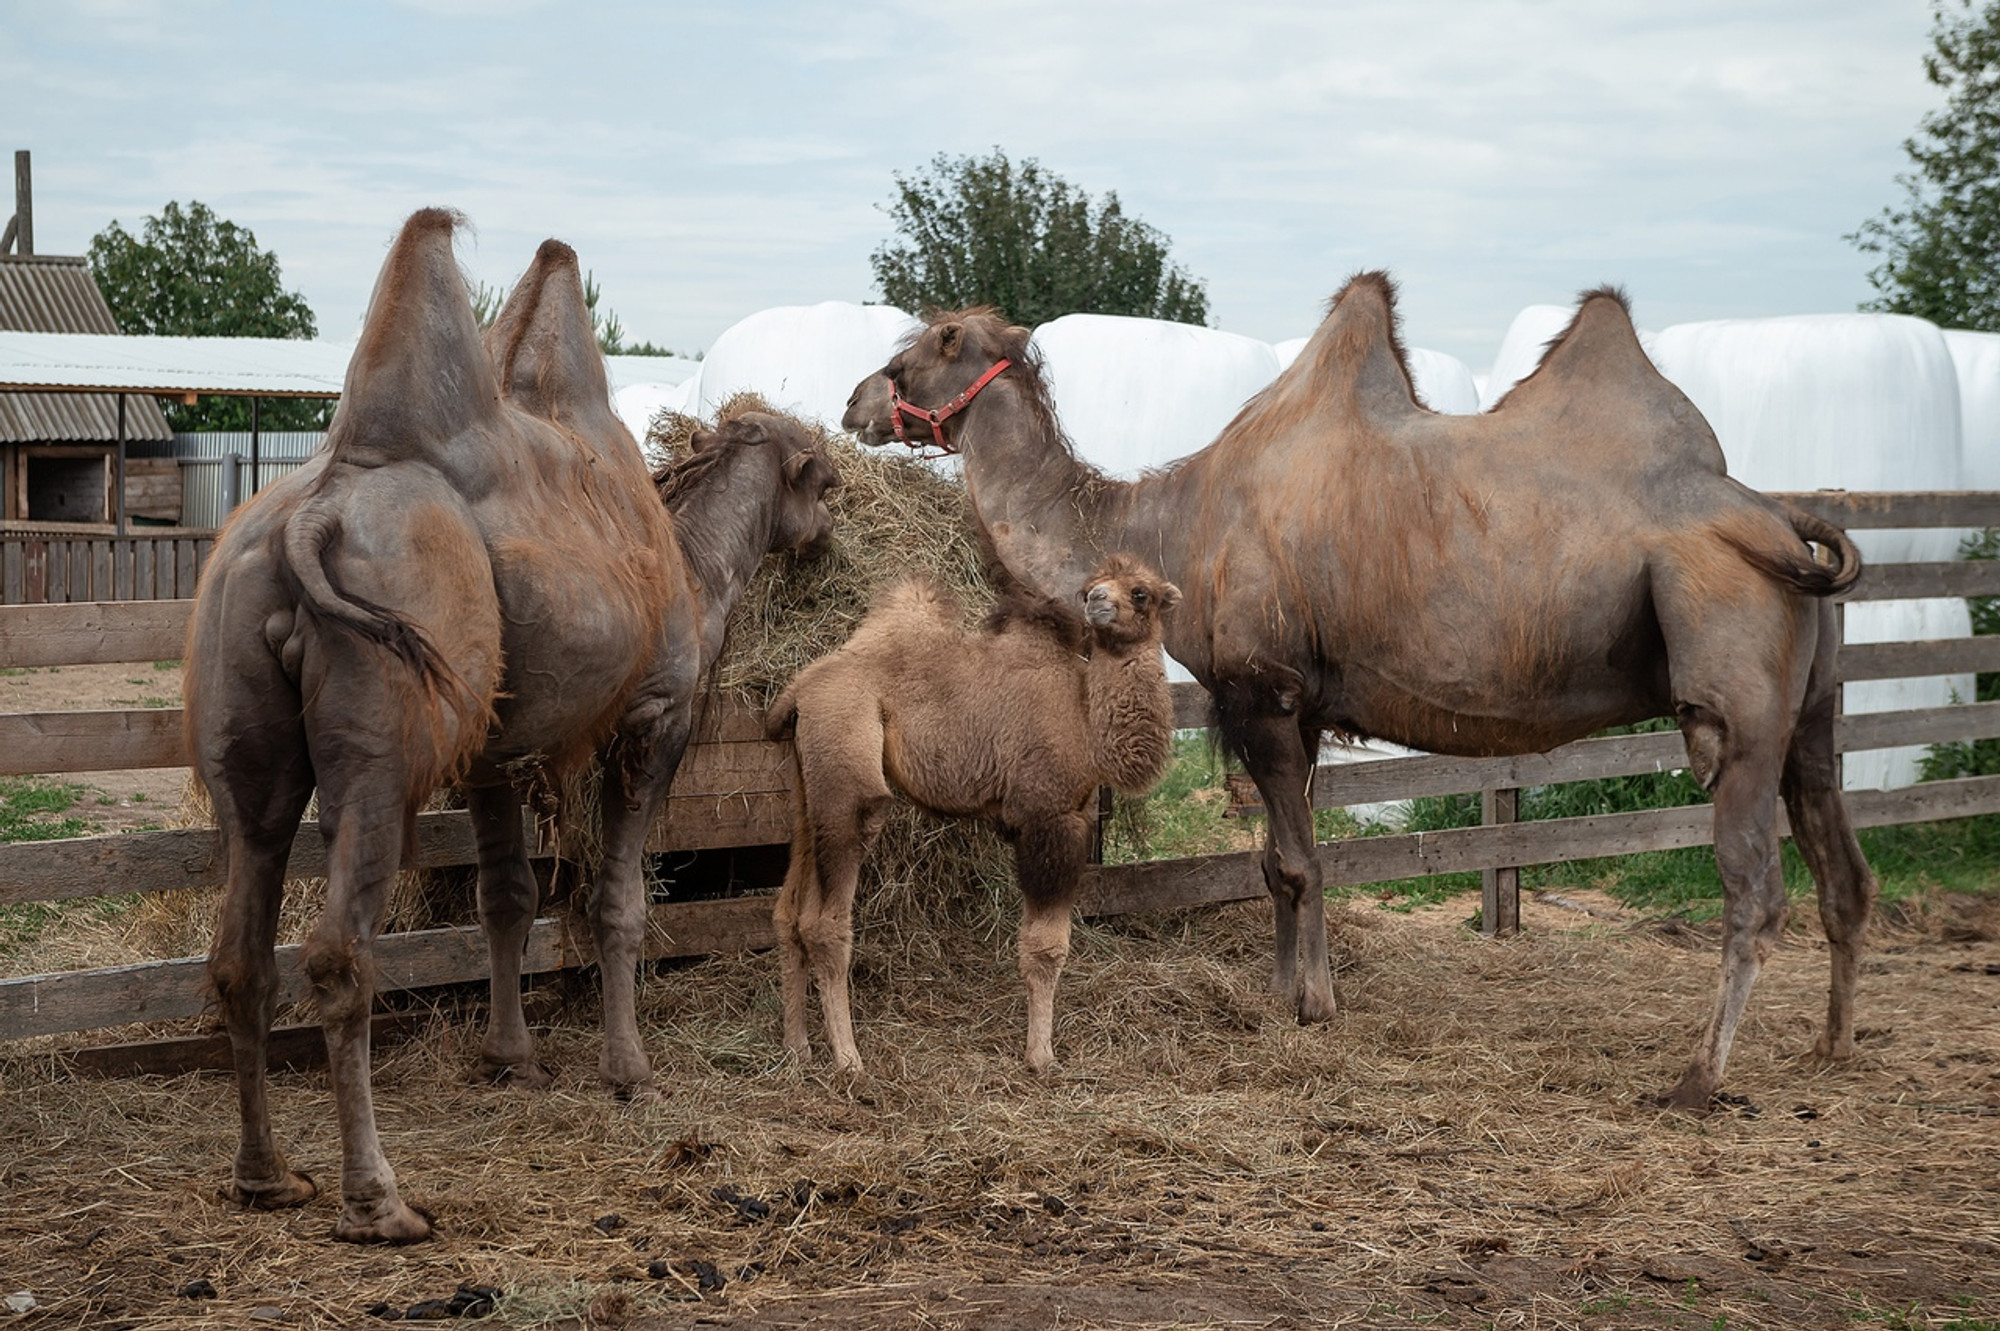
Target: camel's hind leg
507, 897
800, 893
1820, 828
1049, 855
843, 801
1739, 759
258, 796
368, 809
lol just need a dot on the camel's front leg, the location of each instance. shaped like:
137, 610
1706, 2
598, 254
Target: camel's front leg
1280, 761
507, 897
632, 796
1049, 857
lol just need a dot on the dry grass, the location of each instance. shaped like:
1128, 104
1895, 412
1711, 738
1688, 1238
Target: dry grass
1465, 1144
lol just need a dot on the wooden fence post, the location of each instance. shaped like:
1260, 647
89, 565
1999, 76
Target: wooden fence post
1499, 889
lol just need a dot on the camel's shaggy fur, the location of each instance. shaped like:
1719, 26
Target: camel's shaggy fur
1355, 563
474, 578
1010, 724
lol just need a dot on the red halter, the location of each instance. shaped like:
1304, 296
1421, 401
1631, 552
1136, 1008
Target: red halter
937, 416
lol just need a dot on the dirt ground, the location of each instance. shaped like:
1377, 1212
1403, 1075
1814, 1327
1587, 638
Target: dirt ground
111, 801
1469, 1143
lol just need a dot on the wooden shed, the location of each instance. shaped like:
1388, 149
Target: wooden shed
59, 452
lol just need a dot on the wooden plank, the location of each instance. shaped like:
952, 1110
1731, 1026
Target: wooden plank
1863, 510
121, 571
165, 990
35, 572
1338, 785
288, 1049
1205, 880
1915, 660
164, 861
46, 743
58, 572
710, 822
79, 571
185, 569
93, 632
1928, 725
1499, 885
142, 570
165, 587
12, 581
1191, 706
1950, 577
100, 571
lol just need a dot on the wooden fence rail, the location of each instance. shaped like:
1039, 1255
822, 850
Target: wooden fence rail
735, 790
56, 569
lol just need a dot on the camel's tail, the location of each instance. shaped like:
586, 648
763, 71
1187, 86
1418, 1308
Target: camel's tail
782, 714
1801, 570
307, 534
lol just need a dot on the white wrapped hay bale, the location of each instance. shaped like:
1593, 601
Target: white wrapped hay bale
803, 359
1851, 401
1138, 393
1976, 357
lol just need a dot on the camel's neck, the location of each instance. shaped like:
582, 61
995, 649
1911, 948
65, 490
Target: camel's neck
725, 529
1051, 518
1131, 716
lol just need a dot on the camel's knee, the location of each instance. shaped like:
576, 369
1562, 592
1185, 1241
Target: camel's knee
244, 985
341, 976
1706, 738
1288, 876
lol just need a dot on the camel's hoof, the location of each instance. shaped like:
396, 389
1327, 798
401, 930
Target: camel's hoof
1687, 1098
529, 1074
1316, 1008
1833, 1051
1046, 1068
398, 1224
295, 1189
635, 1093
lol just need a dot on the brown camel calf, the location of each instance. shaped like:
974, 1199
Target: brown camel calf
1011, 724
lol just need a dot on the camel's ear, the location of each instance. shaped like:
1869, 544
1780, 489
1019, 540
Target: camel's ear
951, 339
1168, 596
800, 462
702, 438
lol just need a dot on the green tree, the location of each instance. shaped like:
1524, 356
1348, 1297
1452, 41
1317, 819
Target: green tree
193, 274
985, 231
1941, 249
604, 323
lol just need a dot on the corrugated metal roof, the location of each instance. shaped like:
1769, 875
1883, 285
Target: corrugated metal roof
46, 293
243, 366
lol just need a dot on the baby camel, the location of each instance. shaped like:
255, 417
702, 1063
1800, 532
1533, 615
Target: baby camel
1012, 724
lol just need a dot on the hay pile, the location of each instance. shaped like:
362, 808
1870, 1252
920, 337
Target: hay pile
1465, 1145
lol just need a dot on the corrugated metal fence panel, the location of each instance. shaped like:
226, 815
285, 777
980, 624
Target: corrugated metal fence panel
203, 470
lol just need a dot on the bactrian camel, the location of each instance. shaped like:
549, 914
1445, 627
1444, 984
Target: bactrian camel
1354, 563
473, 579
1010, 724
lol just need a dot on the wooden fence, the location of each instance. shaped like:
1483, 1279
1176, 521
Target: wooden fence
734, 790
63, 567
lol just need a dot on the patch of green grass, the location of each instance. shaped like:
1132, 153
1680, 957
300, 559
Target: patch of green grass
7, 672
166, 665
32, 809
1183, 814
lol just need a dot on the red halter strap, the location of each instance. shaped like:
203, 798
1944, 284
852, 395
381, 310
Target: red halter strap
936, 417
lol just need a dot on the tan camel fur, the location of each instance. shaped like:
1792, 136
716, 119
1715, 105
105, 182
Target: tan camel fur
1355, 563
473, 579
1009, 725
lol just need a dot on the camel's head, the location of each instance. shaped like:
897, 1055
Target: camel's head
802, 520
1123, 602
921, 384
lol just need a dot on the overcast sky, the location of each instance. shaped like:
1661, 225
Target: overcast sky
711, 160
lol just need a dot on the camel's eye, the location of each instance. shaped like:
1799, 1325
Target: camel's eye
1139, 597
